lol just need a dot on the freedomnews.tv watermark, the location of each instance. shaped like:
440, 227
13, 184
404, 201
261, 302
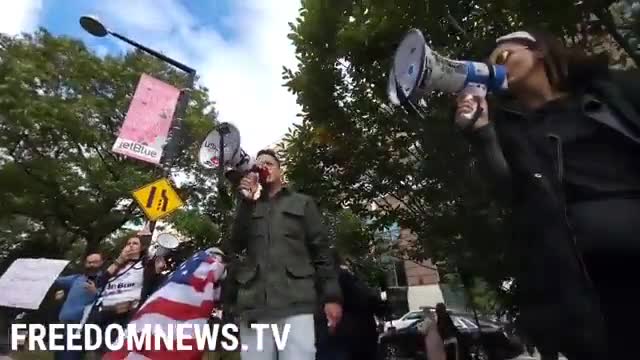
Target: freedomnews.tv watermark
180, 337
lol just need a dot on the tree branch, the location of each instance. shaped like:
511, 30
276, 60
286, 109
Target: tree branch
108, 152
415, 262
410, 208
95, 185
606, 19
106, 165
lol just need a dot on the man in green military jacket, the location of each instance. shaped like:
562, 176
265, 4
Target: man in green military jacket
286, 267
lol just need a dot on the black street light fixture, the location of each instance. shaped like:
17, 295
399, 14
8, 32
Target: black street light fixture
93, 26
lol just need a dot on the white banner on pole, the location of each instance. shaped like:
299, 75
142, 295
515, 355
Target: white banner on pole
27, 281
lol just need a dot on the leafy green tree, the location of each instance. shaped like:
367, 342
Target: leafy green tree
61, 107
358, 246
352, 149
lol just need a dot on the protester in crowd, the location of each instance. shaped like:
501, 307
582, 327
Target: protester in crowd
126, 284
433, 343
81, 293
7, 317
564, 144
448, 332
221, 353
286, 251
356, 337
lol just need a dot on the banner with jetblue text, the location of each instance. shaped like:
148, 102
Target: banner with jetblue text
146, 125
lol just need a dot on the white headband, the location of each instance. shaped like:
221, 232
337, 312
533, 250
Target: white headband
518, 35
215, 251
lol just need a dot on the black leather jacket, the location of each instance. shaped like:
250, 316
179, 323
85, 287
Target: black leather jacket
556, 297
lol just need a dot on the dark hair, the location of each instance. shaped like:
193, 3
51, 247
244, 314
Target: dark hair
95, 253
445, 324
270, 153
337, 259
145, 243
568, 69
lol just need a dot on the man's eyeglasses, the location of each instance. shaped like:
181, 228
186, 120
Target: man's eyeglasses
267, 163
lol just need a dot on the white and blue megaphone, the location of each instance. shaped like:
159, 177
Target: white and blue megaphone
235, 162
417, 71
233, 158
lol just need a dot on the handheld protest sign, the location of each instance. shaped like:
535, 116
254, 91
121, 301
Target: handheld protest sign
33, 278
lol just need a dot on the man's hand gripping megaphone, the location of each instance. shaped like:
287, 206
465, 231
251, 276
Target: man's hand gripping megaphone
251, 184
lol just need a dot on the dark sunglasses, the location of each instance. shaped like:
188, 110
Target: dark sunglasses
504, 55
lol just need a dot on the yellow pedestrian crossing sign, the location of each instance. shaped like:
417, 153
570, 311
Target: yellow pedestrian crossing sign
157, 199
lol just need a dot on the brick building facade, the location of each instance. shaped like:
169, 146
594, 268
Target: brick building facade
413, 284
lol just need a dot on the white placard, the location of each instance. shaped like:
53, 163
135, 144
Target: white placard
27, 281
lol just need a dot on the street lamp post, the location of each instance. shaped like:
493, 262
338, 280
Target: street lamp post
94, 27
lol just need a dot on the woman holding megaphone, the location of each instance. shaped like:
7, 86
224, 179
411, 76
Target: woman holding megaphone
564, 144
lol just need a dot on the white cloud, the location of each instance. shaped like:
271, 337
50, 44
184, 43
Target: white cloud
244, 75
19, 16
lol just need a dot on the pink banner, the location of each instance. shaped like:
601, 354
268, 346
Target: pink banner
146, 126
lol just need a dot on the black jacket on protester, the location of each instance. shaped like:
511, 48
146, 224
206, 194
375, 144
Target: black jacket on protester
556, 298
446, 328
357, 331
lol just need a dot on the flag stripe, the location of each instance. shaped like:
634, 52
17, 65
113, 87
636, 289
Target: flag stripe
136, 356
180, 311
188, 297
182, 293
161, 353
164, 322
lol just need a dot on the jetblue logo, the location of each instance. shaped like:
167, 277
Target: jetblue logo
138, 149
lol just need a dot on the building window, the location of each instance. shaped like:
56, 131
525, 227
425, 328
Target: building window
390, 234
394, 232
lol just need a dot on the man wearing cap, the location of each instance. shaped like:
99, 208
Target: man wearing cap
287, 255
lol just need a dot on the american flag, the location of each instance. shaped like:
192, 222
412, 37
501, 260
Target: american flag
188, 296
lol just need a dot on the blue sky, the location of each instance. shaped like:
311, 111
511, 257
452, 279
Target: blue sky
238, 48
